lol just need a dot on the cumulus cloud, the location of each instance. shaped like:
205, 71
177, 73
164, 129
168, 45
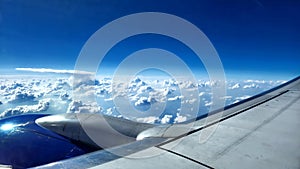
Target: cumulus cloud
227, 97
42, 105
256, 81
82, 79
166, 119
136, 80
250, 86
144, 101
60, 84
168, 91
208, 103
201, 94
109, 111
242, 97
236, 86
21, 96
179, 118
150, 119
187, 85
170, 82
77, 106
77, 94
109, 99
144, 89
191, 101
175, 98
64, 96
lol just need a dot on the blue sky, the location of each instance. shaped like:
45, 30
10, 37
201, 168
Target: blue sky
251, 36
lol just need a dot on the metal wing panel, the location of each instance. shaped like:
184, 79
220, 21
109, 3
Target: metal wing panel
265, 136
164, 159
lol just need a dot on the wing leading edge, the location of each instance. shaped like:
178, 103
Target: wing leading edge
261, 132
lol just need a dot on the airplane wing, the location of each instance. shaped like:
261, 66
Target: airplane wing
259, 132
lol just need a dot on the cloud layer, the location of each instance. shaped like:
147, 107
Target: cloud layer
80, 93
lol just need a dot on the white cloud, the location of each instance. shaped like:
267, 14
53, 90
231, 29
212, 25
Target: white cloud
109, 111
60, 84
86, 90
144, 89
64, 96
187, 85
166, 119
226, 97
201, 93
179, 118
136, 80
167, 91
175, 98
242, 97
250, 86
150, 119
236, 86
191, 101
82, 79
43, 105
109, 99
256, 81
208, 103
77, 106
169, 83
21, 96
59, 71
145, 101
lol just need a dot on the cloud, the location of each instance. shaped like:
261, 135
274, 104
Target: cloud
136, 80
168, 91
236, 86
187, 85
179, 118
256, 81
201, 94
59, 71
64, 96
170, 82
191, 101
226, 97
144, 89
150, 119
208, 103
242, 97
166, 119
109, 99
86, 89
77, 106
109, 111
145, 101
175, 98
43, 105
21, 96
250, 86
61, 84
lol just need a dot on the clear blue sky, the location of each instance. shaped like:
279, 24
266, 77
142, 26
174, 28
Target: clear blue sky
250, 35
